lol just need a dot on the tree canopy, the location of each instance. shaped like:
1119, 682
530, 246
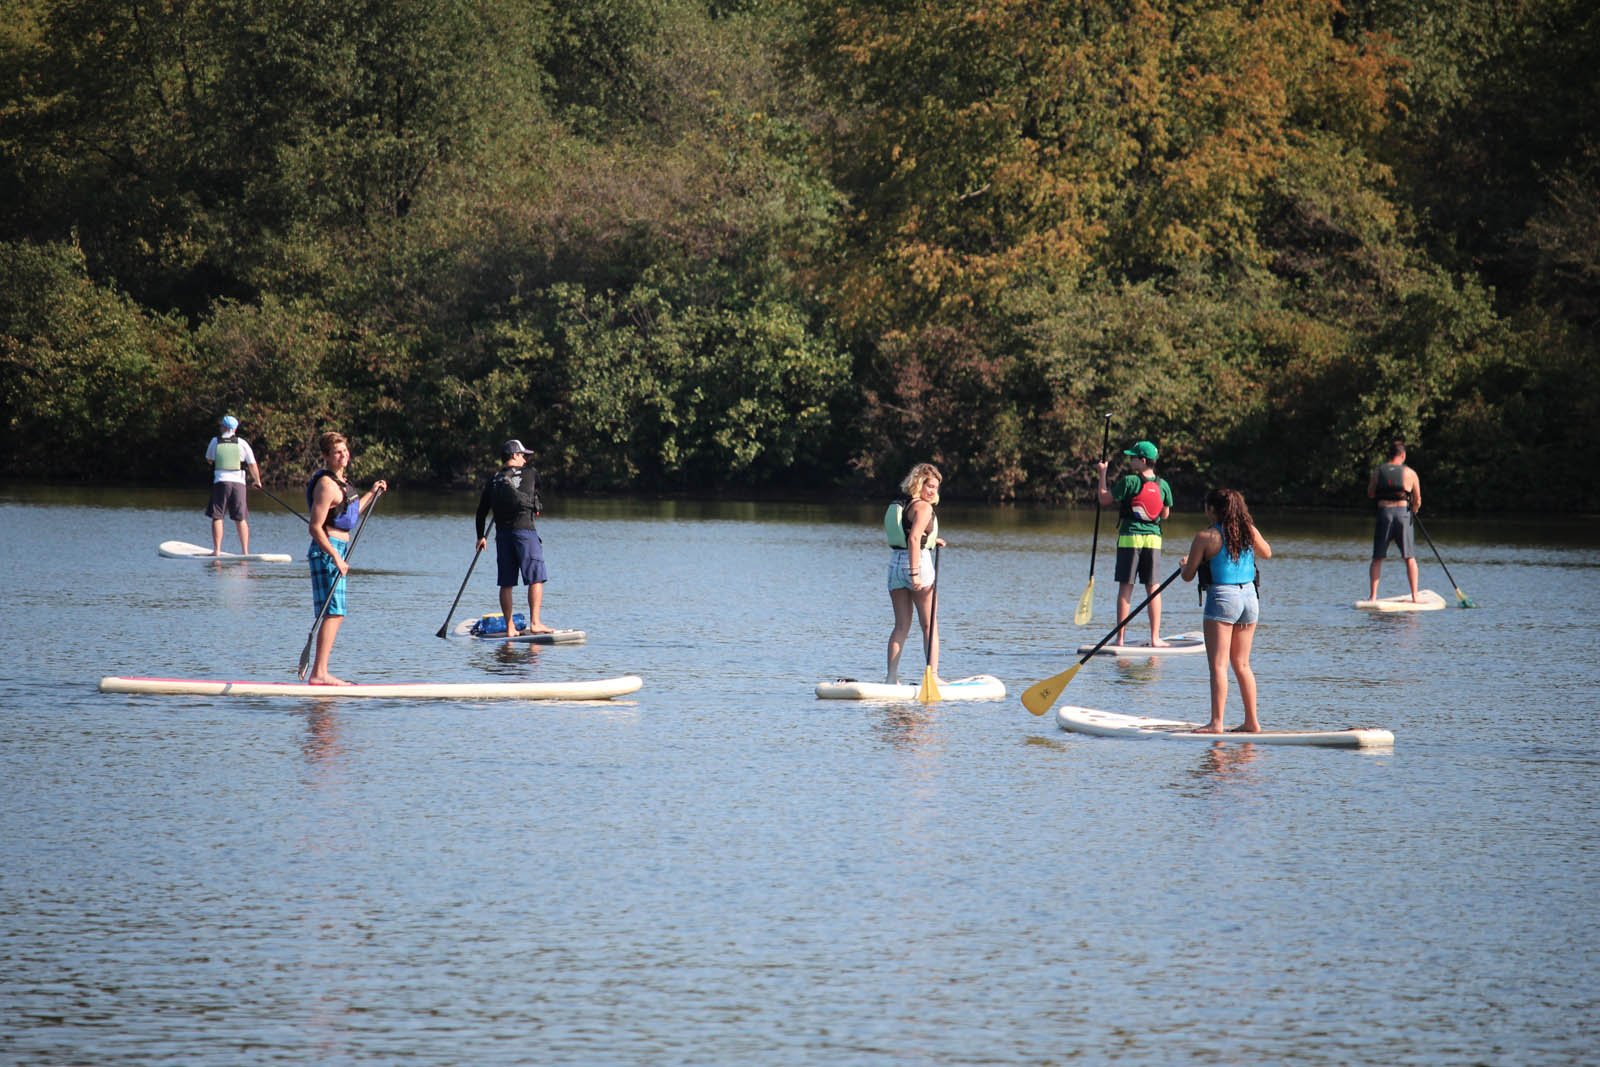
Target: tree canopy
770, 245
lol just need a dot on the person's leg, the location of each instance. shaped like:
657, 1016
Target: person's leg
1219, 640
923, 598
507, 601
1149, 561
216, 536
1243, 637
326, 633
244, 536
1372, 574
1124, 579
535, 602
1411, 576
900, 600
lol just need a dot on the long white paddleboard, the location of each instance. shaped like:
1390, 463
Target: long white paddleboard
554, 637
184, 550
599, 689
1112, 724
1427, 600
978, 687
1177, 645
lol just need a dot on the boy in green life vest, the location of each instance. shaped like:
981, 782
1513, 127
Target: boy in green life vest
1144, 502
1398, 492
230, 456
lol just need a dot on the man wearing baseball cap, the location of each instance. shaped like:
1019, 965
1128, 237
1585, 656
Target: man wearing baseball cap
230, 456
513, 496
1144, 501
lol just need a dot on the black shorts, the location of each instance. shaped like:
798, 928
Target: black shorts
1147, 560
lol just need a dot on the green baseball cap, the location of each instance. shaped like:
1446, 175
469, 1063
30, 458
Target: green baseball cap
1144, 450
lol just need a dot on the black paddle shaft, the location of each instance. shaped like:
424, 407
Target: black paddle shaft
1418, 520
1124, 621
445, 628
1094, 545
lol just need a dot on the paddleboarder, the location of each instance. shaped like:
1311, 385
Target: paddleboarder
1145, 501
230, 456
335, 510
912, 520
1398, 492
1225, 555
513, 496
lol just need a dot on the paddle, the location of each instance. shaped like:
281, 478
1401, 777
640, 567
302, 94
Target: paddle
929, 691
1086, 603
305, 653
463, 588
1461, 598
1041, 695
286, 507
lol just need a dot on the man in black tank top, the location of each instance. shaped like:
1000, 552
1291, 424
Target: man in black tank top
1398, 492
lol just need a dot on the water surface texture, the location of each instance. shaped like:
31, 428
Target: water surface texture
721, 869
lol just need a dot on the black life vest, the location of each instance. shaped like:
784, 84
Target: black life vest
1392, 482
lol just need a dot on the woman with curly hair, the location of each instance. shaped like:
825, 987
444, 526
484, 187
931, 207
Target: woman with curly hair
912, 521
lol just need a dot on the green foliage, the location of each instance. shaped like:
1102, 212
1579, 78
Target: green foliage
765, 244
83, 369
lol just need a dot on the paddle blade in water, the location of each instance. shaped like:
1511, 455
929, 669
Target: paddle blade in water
929, 691
1085, 605
1039, 696
1464, 599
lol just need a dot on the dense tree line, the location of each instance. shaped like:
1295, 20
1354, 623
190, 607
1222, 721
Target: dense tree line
735, 245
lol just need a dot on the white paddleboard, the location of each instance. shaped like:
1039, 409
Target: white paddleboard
554, 637
978, 687
1427, 600
1112, 724
184, 550
1177, 645
599, 689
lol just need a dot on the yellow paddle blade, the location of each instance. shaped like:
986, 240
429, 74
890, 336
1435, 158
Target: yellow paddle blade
929, 692
1039, 696
1085, 605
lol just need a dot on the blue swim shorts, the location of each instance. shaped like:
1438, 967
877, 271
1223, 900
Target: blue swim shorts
519, 554
325, 577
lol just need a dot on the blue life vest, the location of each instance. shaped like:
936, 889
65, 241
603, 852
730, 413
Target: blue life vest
350, 510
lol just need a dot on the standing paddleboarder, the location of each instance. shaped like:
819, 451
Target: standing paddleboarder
1398, 492
1224, 556
335, 510
1145, 502
911, 520
230, 456
513, 495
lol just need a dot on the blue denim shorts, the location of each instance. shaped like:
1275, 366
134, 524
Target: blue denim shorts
1236, 604
900, 568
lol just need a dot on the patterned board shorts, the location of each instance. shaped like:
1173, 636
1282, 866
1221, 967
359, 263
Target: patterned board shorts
325, 577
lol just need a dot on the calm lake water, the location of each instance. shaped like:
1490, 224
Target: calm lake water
723, 870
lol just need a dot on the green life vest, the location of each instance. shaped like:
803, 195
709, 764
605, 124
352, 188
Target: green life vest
897, 524
229, 456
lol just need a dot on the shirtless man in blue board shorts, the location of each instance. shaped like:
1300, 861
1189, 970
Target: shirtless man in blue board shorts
1398, 491
1145, 501
513, 495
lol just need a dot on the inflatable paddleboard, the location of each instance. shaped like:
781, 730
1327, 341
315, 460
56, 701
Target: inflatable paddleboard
1177, 645
555, 637
1427, 600
184, 550
1111, 724
978, 687
599, 689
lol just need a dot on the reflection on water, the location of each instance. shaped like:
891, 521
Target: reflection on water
724, 869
